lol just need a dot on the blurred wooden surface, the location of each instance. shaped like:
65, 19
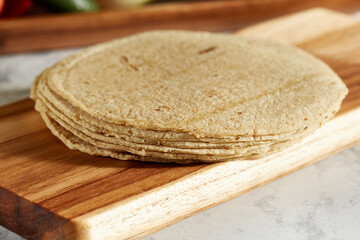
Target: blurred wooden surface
35, 33
48, 191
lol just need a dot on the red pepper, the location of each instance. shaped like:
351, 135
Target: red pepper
2, 3
14, 8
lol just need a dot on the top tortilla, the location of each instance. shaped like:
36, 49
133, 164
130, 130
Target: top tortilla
204, 84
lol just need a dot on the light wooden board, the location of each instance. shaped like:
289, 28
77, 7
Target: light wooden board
48, 191
42, 32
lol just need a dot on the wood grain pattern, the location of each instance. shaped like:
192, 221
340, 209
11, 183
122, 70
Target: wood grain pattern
48, 191
42, 32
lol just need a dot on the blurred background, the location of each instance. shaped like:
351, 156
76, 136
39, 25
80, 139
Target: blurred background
32, 25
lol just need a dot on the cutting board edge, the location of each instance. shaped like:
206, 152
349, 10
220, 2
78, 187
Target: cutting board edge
36, 221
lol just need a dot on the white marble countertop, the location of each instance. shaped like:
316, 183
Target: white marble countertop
319, 202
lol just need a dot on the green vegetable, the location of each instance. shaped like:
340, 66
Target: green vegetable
72, 5
121, 3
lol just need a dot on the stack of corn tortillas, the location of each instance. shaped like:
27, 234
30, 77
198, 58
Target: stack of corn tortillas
177, 96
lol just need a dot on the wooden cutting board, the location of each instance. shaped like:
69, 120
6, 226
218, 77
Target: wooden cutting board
48, 191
